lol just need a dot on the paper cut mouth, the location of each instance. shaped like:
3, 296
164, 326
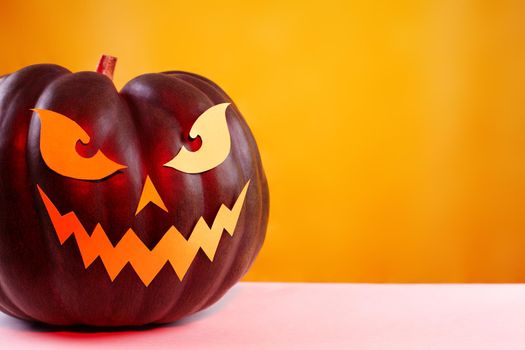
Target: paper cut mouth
172, 247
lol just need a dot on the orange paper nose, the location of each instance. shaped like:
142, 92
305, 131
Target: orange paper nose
149, 194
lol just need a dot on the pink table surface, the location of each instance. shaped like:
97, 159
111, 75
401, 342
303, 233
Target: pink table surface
318, 316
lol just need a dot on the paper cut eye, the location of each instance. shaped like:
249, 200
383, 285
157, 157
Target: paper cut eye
58, 139
212, 127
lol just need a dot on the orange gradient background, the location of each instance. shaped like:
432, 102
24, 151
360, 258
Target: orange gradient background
392, 132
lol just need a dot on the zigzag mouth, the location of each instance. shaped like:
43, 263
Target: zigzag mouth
172, 247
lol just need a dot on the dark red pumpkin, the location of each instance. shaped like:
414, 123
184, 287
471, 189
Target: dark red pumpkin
141, 128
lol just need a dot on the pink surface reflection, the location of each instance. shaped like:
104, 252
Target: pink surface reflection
316, 316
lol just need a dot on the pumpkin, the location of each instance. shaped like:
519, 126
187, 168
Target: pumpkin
123, 208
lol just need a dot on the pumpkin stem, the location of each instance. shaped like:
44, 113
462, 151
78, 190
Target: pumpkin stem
106, 65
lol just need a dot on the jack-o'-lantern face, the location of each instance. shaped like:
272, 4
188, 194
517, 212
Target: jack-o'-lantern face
61, 148
123, 206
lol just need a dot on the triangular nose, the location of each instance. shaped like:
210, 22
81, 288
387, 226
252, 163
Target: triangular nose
149, 194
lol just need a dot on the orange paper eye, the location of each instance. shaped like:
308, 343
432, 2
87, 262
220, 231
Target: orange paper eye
58, 138
212, 127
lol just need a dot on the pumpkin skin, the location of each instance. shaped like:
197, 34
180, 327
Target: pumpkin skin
143, 126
